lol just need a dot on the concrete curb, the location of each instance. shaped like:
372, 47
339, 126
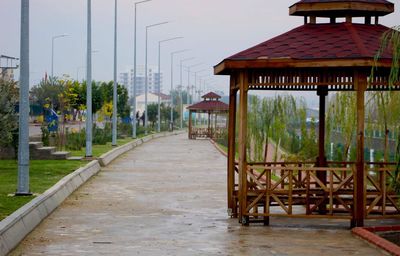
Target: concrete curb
19, 224
15, 227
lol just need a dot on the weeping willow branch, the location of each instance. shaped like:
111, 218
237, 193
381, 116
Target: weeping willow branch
391, 41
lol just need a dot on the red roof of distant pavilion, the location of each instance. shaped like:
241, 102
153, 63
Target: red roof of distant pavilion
210, 103
211, 95
320, 41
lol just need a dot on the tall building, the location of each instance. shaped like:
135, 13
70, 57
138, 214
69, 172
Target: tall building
127, 78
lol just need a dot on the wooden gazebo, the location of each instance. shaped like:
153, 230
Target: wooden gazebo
321, 57
212, 106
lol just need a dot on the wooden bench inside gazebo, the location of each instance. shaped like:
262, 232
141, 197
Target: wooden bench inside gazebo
337, 55
215, 109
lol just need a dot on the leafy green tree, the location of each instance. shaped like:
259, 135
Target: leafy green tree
342, 117
47, 91
8, 116
152, 111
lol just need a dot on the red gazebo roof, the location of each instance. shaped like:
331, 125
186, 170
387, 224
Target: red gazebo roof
320, 41
210, 105
211, 95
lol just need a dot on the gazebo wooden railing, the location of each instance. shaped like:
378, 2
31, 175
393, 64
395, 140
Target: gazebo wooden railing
295, 190
213, 133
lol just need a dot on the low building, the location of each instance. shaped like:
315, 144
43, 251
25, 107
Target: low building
152, 98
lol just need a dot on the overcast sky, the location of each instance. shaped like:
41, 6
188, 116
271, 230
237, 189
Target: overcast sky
213, 29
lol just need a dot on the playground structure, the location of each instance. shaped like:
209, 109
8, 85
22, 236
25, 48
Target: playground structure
321, 57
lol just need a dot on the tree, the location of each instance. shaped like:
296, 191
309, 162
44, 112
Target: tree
47, 91
8, 116
342, 117
152, 111
391, 42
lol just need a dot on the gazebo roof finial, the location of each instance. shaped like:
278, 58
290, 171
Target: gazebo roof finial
341, 8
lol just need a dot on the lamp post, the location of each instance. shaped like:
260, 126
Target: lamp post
52, 51
23, 138
89, 117
114, 119
181, 85
134, 122
188, 83
172, 82
146, 75
159, 79
78, 69
195, 80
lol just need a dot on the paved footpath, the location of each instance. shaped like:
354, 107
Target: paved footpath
168, 197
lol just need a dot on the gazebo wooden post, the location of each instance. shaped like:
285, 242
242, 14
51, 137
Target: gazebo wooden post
232, 207
215, 123
360, 84
322, 92
190, 124
242, 148
209, 124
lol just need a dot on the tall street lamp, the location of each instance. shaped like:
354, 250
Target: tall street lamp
23, 138
159, 79
188, 83
114, 119
146, 74
181, 85
78, 69
172, 82
52, 51
89, 116
195, 79
134, 122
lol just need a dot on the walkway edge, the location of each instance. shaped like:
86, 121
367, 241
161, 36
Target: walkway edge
19, 224
15, 227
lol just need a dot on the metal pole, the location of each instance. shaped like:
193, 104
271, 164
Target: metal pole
89, 117
172, 82
180, 97
52, 56
114, 120
180, 92
145, 88
170, 92
159, 90
146, 75
23, 141
159, 80
134, 121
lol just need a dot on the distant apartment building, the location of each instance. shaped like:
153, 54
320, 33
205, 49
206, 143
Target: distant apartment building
153, 77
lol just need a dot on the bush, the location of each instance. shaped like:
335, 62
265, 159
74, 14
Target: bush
102, 136
45, 135
124, 129
75, 140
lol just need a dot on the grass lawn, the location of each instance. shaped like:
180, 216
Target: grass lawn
43, 175
98, 150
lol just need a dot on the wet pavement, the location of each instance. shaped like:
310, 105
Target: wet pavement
168, 197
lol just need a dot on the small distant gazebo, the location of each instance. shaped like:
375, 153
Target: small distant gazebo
212, 106
334, 55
